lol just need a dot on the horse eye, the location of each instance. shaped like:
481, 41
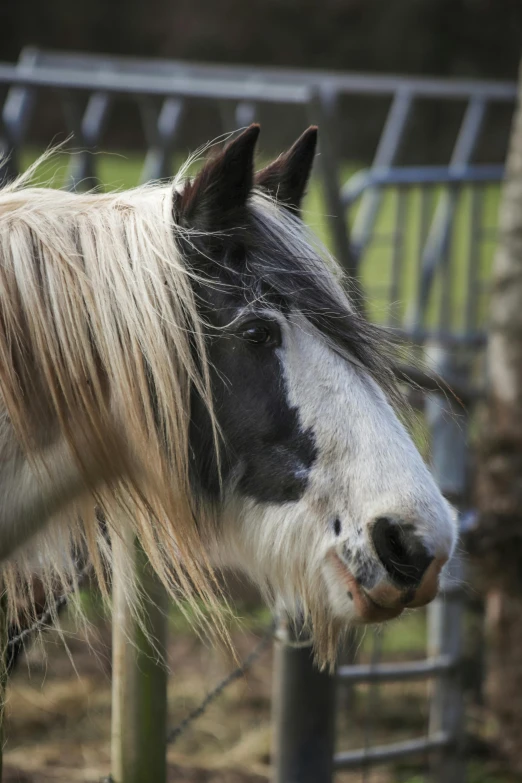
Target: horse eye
267, 334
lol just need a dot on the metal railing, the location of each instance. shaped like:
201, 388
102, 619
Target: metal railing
164, 90
433, 257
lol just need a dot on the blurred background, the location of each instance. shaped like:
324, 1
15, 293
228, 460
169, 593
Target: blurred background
422, 242
448, 38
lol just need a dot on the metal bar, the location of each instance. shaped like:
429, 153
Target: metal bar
95, 117
139, 676
445, 618
246, 112
373, 694
19, 103
87, 130
393, 131
340, 82
382, 754
158, 163
347, 656
418, 175
8, 164
144, 84
445, 265
426, 201
16, 114
448, 424
387, 151
473, 260
82, 170
303, 715
322, 112
465, 145
469, 131
448, 421
397, 672
397, 258
149, 112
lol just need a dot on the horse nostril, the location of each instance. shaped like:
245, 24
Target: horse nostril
400, 551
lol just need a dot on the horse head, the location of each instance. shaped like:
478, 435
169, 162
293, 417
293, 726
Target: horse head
320, 495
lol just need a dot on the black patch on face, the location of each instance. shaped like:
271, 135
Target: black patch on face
265, 451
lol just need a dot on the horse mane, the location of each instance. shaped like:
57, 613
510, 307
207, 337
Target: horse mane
100, 345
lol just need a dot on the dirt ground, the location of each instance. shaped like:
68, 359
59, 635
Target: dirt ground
59, 703
59, 700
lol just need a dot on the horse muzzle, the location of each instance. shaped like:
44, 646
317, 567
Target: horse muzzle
387, 600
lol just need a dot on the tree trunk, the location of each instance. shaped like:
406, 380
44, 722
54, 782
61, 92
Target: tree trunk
497, 544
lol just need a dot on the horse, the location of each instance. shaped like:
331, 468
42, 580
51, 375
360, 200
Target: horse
182, 363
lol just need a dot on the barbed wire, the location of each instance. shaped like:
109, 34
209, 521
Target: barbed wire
48, 614
43, 622
231, 677
235, 674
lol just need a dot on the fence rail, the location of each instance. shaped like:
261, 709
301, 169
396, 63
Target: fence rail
397, 672
237, 91
383, 754
405, 176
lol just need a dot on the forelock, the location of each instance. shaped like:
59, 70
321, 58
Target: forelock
288, 260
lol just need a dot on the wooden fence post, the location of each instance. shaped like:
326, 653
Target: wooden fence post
4, 637
449, 428
139, 679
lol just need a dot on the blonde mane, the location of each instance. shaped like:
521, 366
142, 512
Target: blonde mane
101, 343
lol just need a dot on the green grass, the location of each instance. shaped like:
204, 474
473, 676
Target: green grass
116, 171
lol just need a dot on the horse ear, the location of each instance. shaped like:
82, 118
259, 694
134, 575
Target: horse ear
221, 188
287, 177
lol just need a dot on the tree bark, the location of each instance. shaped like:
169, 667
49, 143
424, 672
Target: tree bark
497, 544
